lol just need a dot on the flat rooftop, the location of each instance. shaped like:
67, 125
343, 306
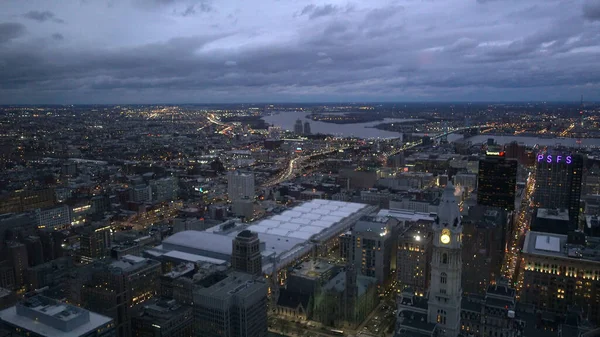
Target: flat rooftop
553, 214
365, 224
180, 270
228, 285
56, 311
312, 269
406, 215
130, 263
556, 245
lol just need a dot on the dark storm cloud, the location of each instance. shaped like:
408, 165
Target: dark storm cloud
315, 12
401, 50
193, 9
591, 10
190, 10
42, 16
11, 30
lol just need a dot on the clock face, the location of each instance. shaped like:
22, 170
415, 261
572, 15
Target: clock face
445, 237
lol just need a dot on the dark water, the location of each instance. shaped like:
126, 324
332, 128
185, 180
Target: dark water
286, 121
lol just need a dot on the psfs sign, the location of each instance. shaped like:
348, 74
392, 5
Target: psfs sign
554, 158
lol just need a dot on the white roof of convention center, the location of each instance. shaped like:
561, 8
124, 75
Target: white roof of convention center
284, 235
208, 241
311, 217
192, 257
277, 243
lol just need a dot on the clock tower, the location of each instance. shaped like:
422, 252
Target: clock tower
445, 291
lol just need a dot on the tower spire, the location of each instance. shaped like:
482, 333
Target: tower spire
445, 292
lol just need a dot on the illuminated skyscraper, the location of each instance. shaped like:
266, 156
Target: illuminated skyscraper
558, 183
414, 258
374, 253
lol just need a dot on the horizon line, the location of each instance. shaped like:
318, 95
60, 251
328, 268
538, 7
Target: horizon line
296, 102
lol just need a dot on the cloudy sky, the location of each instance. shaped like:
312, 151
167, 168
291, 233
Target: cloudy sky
178, 51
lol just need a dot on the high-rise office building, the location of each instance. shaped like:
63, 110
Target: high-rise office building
298, 127
164, 318
140, 193
374, 251
41, 316
94, 243
165, 189
26, 200
560, 272
245, 255
414, 255
228, 305
54, 218
558, 181
483, 248
497, 181
35, 250
115, 289
11, 225
307, 128
240, 185
17, 253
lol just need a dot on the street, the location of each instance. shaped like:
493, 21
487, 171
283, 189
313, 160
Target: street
521, 226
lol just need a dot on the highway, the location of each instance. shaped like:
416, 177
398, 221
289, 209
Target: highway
211, 118
294, 163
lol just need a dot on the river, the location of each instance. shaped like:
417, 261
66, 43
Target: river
286, 121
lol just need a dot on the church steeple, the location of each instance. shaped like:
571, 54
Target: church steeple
445, 292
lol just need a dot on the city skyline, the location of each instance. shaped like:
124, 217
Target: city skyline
325, 220
181, 51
